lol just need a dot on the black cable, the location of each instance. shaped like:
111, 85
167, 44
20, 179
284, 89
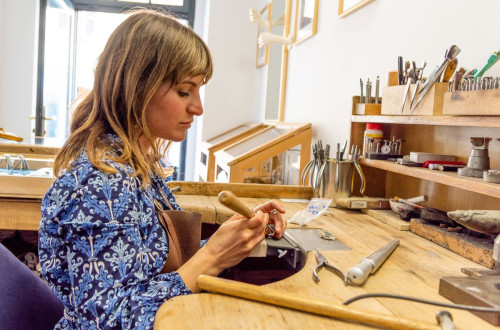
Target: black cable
423, 301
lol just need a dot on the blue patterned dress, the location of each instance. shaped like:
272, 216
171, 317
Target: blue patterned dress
101, 249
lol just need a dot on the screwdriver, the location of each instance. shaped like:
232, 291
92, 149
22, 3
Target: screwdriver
492, 60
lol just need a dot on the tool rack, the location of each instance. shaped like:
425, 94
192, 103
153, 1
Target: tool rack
447, 191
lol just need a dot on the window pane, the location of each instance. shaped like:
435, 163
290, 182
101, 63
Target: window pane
93, 30
58, 31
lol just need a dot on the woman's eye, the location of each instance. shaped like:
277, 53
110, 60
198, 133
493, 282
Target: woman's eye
183, 94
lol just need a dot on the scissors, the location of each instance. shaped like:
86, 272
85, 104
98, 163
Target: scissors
323, 262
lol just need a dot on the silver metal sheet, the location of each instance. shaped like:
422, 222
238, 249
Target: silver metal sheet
310, 239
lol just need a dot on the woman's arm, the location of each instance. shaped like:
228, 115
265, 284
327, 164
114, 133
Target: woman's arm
230, 244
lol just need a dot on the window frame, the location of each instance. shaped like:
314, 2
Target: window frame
187, 11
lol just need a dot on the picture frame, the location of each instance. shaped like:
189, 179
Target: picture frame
305, 19
347, 7
262, 57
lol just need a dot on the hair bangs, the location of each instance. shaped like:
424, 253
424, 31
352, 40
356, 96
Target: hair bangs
194, 60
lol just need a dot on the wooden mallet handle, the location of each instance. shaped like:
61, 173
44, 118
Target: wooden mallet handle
228, 199
315, 306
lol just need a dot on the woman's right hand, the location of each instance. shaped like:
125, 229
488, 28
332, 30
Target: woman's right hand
230, 244
234, 240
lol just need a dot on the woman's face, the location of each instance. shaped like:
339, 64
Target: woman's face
172, 109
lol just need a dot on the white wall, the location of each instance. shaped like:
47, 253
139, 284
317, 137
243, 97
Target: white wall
18, 56
231, 97
324, 71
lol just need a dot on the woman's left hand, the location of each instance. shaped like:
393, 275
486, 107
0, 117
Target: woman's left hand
275, 210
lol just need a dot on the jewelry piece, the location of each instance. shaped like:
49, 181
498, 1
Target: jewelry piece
270, 231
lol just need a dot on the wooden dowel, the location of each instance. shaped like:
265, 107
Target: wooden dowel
404, 201
324, 308
228, 199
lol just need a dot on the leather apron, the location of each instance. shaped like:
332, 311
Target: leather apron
183, 230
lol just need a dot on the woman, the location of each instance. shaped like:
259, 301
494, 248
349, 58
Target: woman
101, 245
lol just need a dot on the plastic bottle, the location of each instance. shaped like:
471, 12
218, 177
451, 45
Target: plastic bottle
373, 131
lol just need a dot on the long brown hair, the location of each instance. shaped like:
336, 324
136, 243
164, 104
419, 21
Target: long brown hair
148, 49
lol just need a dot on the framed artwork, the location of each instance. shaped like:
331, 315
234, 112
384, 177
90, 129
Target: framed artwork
263, 51
347, 7
305, 19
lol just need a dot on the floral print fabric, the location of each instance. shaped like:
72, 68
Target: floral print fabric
101, 248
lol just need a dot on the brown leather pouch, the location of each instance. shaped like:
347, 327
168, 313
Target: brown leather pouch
184, 234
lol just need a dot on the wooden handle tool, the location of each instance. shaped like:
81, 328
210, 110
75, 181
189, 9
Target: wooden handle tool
397, 199
314, 306
228, 199
450, 69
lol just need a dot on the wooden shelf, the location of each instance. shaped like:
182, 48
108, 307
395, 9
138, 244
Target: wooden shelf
477, 185
472, 121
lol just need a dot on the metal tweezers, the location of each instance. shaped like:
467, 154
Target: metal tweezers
323, 262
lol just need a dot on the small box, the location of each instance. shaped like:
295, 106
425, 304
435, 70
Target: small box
421, 157
366, 109
431, 104
472, 103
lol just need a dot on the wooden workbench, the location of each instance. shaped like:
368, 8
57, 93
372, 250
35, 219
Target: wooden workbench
413, 269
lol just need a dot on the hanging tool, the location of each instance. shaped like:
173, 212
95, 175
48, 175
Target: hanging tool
436, 74
492, 60
369, 265
323, 263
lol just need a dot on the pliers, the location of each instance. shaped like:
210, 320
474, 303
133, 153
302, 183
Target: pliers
357, 165
323, 262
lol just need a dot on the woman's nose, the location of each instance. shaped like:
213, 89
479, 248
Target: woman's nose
196, 107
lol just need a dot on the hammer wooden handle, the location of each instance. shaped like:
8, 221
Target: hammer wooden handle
228, 199
325, 308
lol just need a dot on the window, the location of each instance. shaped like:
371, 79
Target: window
75, 34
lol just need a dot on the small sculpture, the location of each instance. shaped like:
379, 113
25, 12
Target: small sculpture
256, 17
271, 38
268, 37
